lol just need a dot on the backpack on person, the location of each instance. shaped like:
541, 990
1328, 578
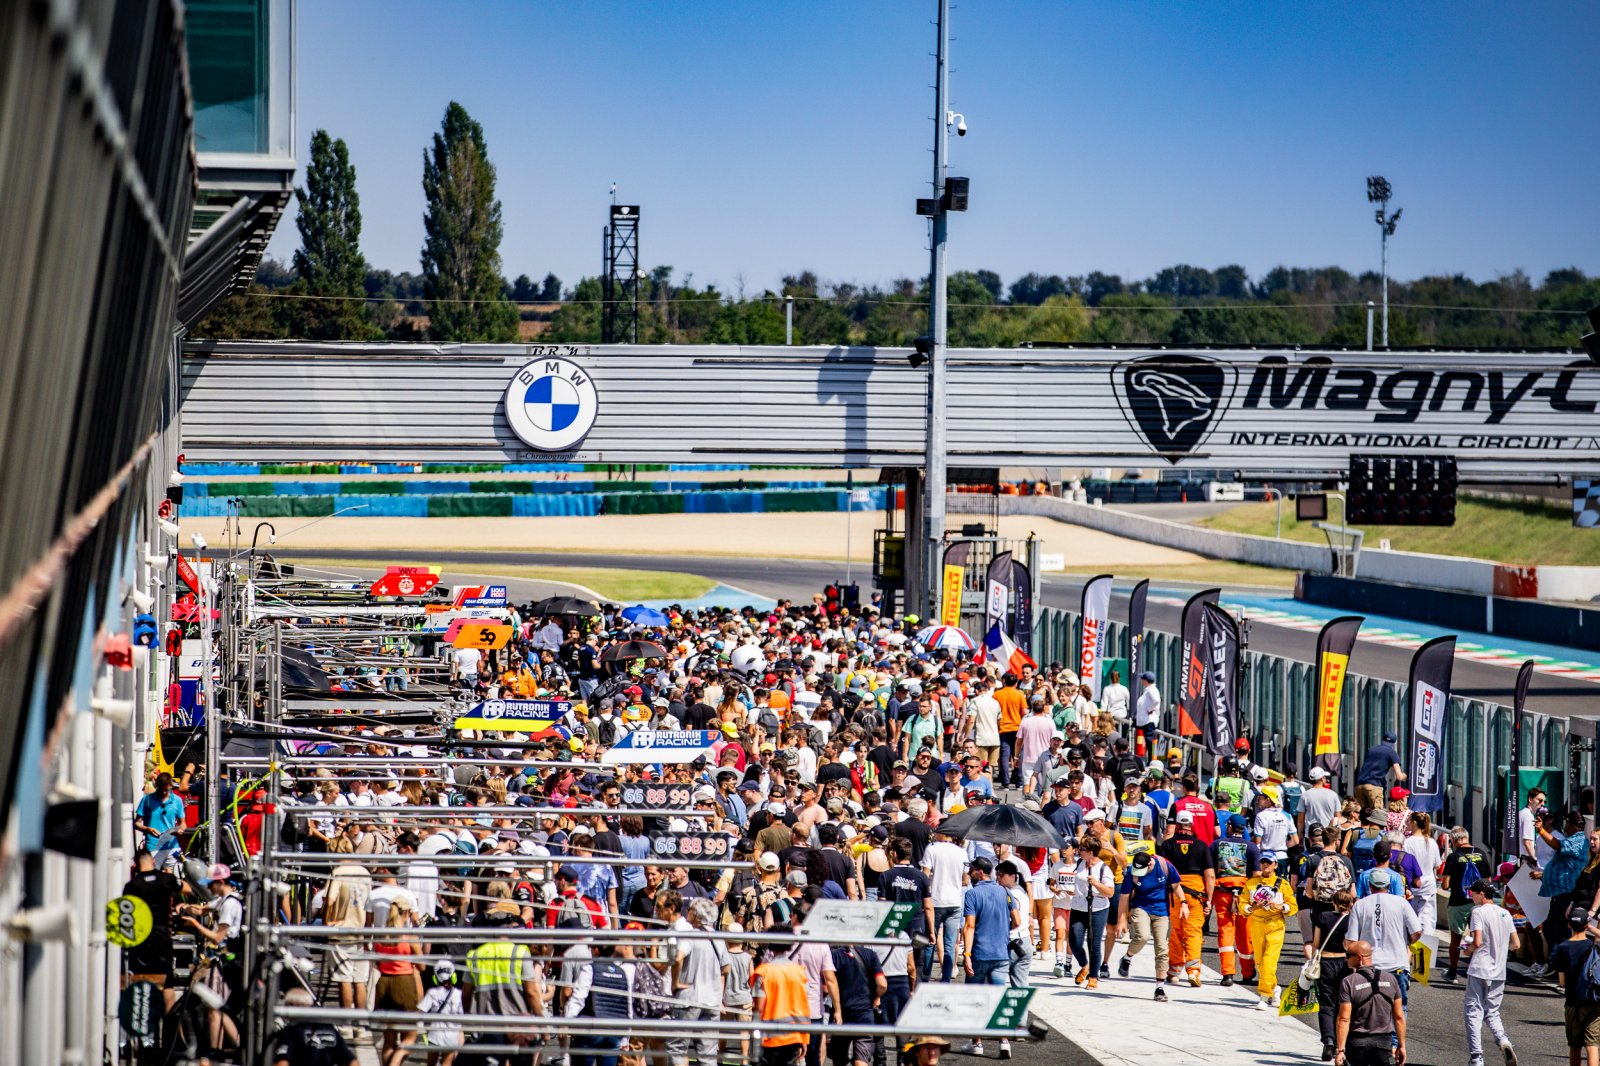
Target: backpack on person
1361, 856
1329, 878
1589, 977
573, 913
605, 730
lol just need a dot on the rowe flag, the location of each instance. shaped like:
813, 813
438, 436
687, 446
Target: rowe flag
1334, 645
1136, 604
997, 647
1096, 616
952, 575
1508, 835
1219, 706
1430, 711
997, 591
1192, 685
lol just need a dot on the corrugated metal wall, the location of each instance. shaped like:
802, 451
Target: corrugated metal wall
301, 401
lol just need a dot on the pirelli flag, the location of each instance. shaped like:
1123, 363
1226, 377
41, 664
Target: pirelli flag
1219, 705
1192, 685
1334, 645
951, 577
1430, 713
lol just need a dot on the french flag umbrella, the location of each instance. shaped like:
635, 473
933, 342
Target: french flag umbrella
946, 638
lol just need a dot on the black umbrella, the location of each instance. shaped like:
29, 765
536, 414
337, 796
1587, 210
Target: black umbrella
570, 605
1003, 824
632, 649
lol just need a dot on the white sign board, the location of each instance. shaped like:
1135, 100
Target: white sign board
940, 1008
858, 919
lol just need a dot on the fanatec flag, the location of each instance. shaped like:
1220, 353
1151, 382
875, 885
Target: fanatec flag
952, 575
1192, 683
1136, 601
1509, 844
997, 590
1219, 651
1430, 713
1092, 646
1334, 645
1022, 605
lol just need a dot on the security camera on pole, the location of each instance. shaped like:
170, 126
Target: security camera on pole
1378, 192
949, 194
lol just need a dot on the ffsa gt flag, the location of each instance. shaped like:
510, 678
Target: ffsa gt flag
1092, 646
1430, 713
1334, 645
1136, 605
997, 593
1219, 705
1192, 682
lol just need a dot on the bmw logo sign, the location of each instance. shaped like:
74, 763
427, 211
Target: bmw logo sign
551, 404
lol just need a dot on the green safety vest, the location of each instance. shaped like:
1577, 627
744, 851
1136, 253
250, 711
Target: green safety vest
1233, 788
496, 963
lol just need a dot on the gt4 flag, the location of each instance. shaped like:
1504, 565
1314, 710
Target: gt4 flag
1430, 714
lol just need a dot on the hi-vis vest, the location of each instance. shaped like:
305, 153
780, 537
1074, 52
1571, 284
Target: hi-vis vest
496, 963
785, 1001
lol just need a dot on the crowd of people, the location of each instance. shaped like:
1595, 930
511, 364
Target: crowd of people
842, 747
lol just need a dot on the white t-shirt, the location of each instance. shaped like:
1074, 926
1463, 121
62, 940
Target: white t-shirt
945, 863
1489, 961
1425, 850
1274, 826
1114, 700
1386, 921
467, 660
985, 721
1149, 708
380, 899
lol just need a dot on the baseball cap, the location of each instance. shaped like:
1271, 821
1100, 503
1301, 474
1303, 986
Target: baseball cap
768, 861
1143, 861
1185, 817
1094, 815
1578, 916
1399, 792
983, 865
1236, 821
568, 872
1156, 771
1148, 675
1378, 877
1258, 773
1317, 773
797, 878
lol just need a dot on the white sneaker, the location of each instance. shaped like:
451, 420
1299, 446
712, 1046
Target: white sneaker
1277, 996
974, 1048
1261, 1004
1005, 1049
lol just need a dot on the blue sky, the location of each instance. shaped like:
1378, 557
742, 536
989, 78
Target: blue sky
763, 138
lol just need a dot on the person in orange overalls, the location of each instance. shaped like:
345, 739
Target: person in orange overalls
1197, 873
1233, 860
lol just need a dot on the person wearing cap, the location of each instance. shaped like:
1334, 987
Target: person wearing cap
1197, 875
1190, 800
224, 973
1147, 711
1492, 936
1150, 894
1276, 830
1319, 804
1568, 961
1463, 867
988, 914
1234, 859
1388, 925
1373, 775
501, 980
1267, 899
926, 1050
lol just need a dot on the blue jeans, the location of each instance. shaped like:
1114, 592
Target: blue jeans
947, 922
601, 1045
1090, 926
990, 972
1010, 767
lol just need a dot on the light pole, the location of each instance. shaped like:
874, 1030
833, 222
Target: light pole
933, 461
1378, 192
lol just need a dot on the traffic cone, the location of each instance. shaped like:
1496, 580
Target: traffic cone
1138, 743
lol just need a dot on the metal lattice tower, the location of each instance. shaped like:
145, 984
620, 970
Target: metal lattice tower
620, 316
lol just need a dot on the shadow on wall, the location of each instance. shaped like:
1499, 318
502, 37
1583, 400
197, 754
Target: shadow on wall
843, 378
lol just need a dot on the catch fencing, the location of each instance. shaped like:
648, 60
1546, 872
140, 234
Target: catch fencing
1278, 712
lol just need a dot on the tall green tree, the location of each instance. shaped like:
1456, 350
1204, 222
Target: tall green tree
328, 262
461, 252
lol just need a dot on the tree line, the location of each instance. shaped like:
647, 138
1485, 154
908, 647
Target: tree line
330, 292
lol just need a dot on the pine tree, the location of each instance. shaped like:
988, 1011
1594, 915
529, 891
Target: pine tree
461, 253
329, 261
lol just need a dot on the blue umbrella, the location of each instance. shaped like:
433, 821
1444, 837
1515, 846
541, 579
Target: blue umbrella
641, 615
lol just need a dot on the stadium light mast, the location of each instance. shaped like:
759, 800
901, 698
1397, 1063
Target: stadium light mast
1378, 192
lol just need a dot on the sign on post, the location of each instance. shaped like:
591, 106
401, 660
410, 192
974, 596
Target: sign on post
654, 745
691, 845
658, 797
860, 919
521, 716
128, 921
486, 636
976, 1008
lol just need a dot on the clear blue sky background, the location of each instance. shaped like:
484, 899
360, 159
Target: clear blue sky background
764, 138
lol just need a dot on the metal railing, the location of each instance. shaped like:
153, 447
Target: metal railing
1278, 713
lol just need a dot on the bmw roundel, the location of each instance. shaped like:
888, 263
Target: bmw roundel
551, 404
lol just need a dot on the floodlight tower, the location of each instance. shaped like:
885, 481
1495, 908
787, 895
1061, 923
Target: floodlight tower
1378, 192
